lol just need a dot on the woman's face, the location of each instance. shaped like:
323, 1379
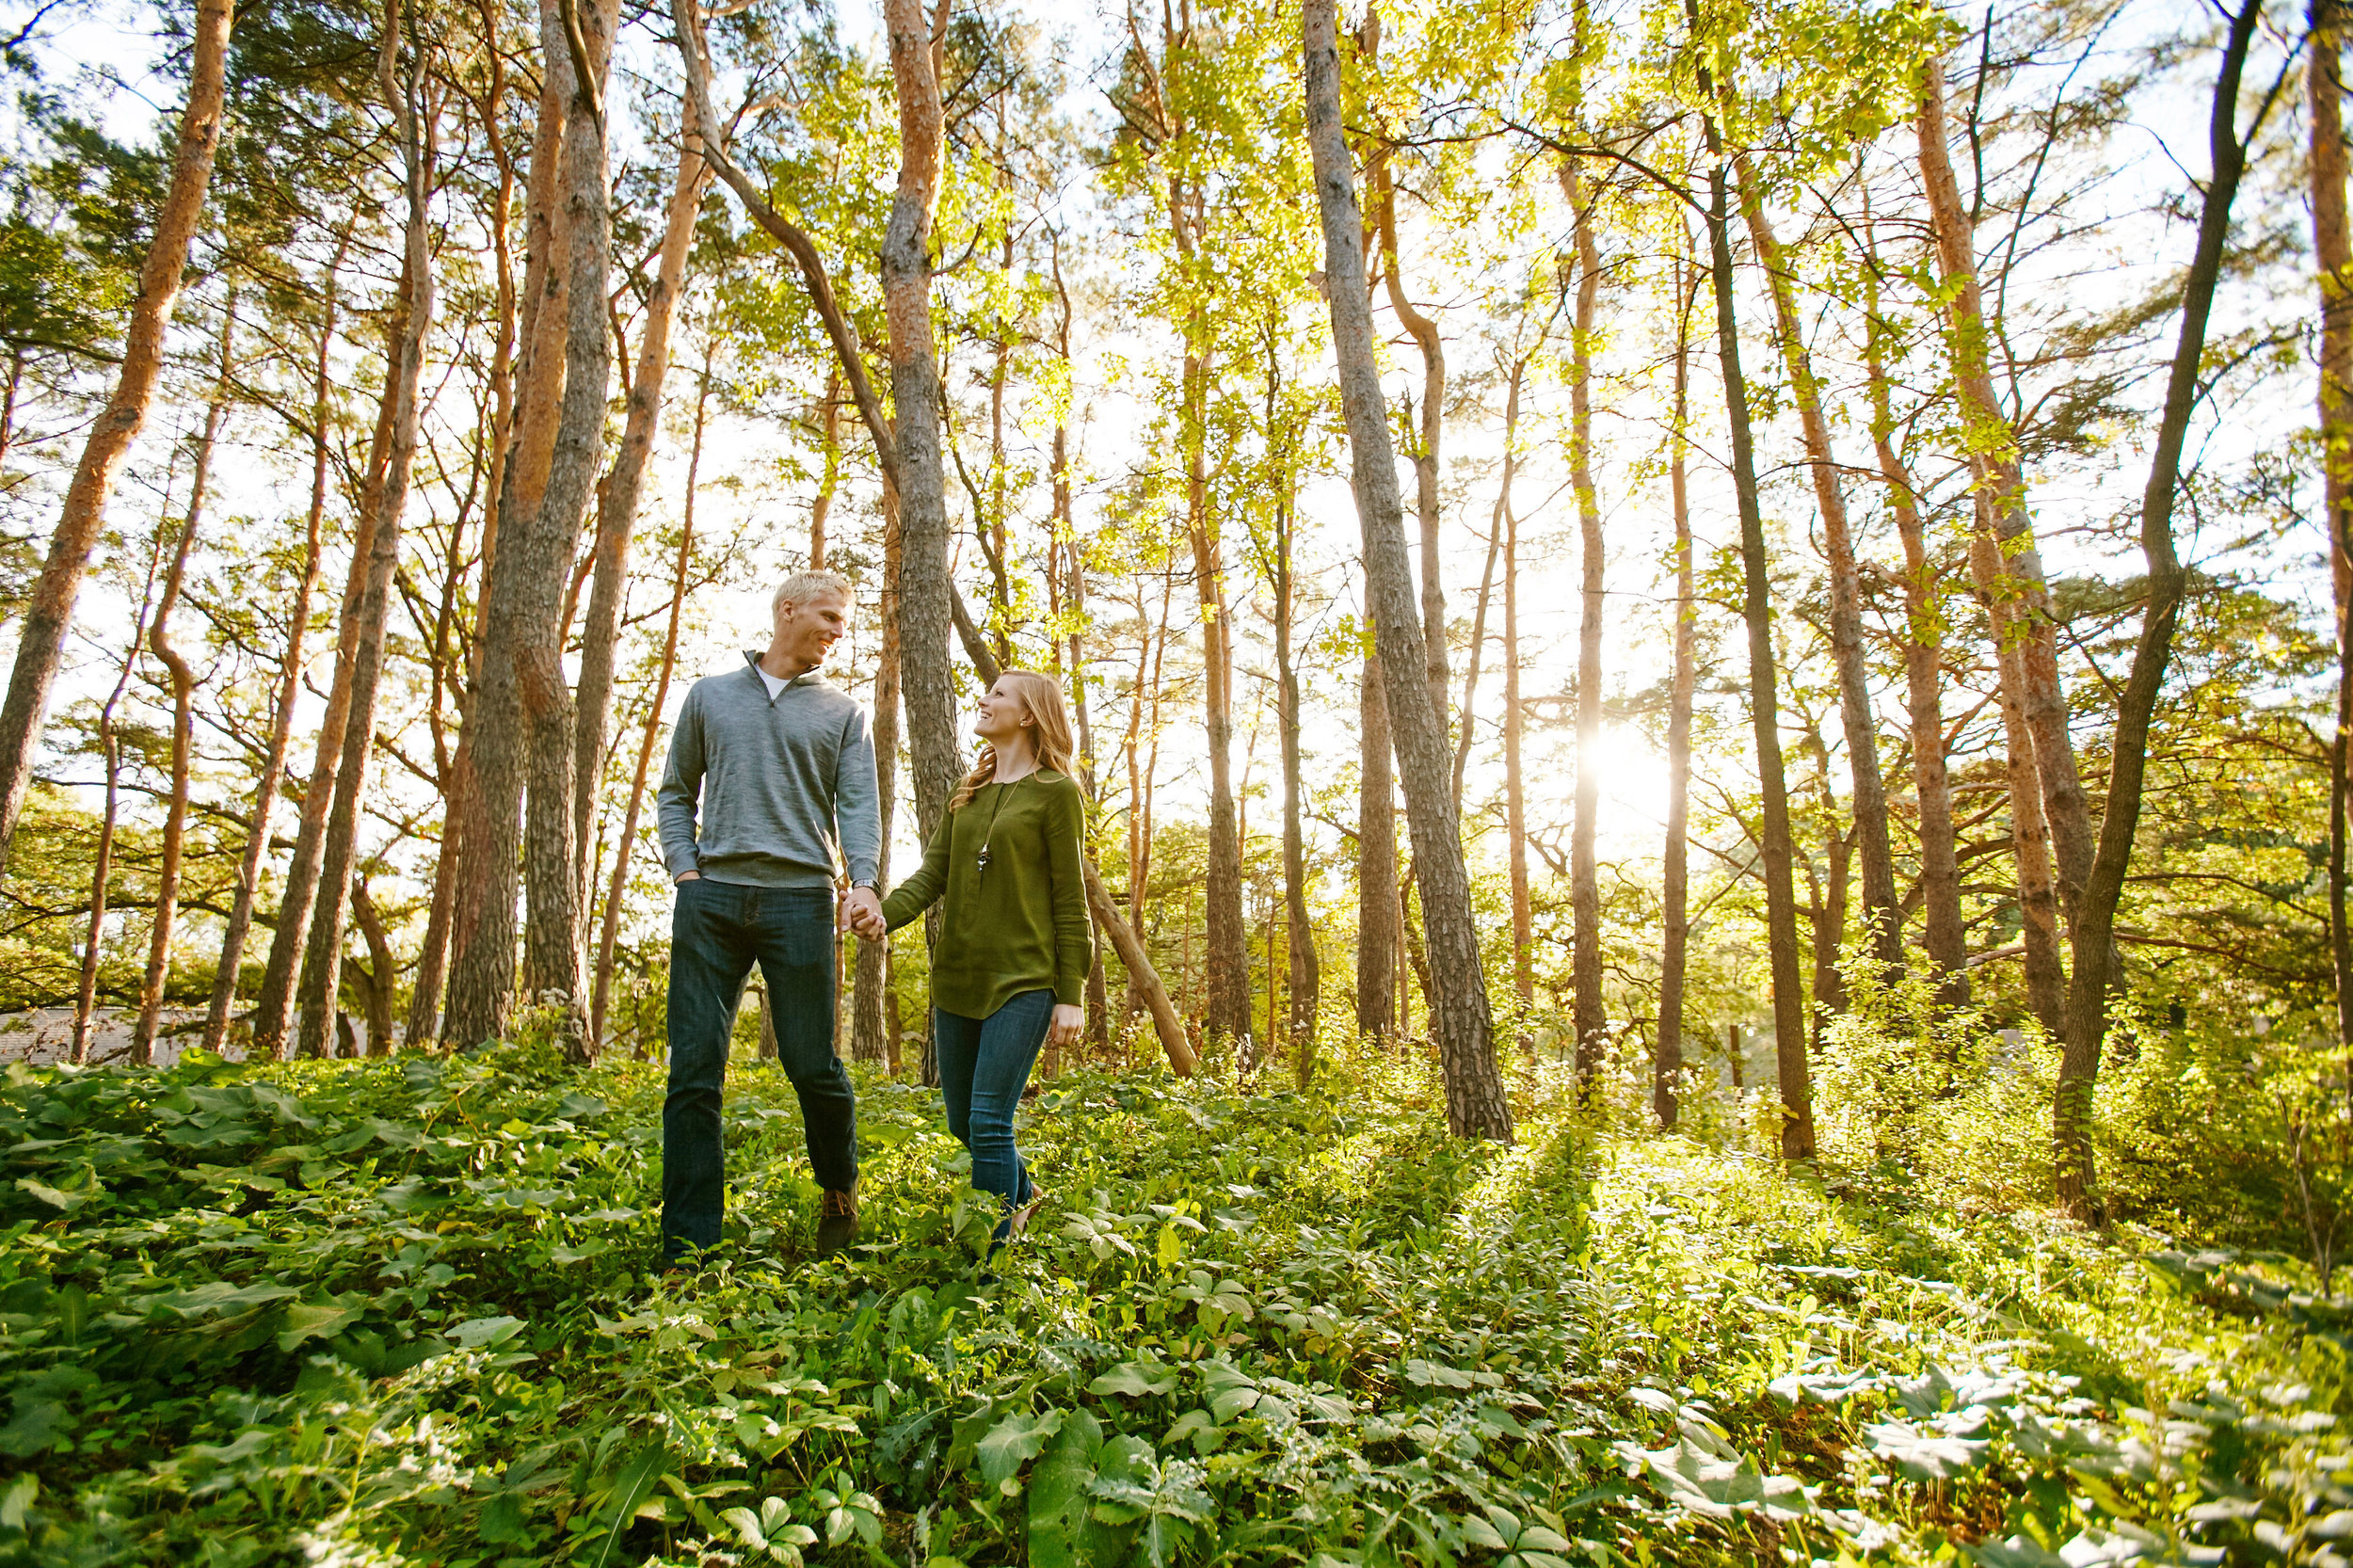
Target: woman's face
1003, 714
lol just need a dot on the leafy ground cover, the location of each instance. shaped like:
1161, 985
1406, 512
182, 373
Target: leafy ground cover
401, 1311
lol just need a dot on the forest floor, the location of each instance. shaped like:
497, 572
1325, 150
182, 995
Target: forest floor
403, 1311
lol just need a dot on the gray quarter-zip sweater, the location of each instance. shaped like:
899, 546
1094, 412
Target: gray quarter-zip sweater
780, 783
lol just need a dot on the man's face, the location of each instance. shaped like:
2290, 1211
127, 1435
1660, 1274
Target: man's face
807, 632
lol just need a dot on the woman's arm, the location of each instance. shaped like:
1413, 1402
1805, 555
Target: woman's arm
918, 892
1074, 934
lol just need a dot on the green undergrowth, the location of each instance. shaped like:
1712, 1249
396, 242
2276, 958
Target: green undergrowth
401, 1311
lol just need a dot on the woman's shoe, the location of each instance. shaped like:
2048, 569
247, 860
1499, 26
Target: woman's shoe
1019, 1221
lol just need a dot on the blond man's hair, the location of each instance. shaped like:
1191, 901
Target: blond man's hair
807, 587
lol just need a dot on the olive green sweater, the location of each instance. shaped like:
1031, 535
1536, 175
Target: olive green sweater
1021, 925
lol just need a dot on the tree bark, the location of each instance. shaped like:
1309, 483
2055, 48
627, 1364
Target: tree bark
41, 643
1461, 1022
1304, 969
182, 713
2332, 249
1426, 439
1514, 737
388, 500
273, 1008
2095, 969
555, 944
1376, 862
1943, 932
618, 498
2010, 576
383, 974
924, 589
1857, 724
1781, 907
102, 867
1675, 892
487, 801
1589, 1017
602, 989
266, 787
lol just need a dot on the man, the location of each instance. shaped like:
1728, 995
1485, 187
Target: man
782, 765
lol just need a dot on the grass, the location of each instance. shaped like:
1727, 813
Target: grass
403, 1311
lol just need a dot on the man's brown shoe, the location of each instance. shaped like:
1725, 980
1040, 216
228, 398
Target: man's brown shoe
837, 1222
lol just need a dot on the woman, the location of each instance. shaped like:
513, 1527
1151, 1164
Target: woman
1009, 971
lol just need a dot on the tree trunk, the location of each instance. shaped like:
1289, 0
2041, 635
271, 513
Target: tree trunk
388, 500
383, 974
1426, 439
2030, 840
924, 589
1306, 971
602, 989
1943, 934
40, 642
273, 1008
1781, 907
2332, 249
110, 748
616, 501
1227, 959
1591, 1018
1830, 908
265, 789
2095, 969
820, 505
553, 862
521, 712
2011, 575
1461, 1022
1857, 724
183, 714
1675, 893
1376, 863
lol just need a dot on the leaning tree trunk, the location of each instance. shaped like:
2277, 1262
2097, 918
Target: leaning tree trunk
1591, 1018
224, 998
2095, 969
2010, 576
2332, 249
1514, 737
41, 643
1856, 721
616, 501
1674, 895
1459, 1022
929, 693
1376, 862
1781, 905
322, 950
182, 716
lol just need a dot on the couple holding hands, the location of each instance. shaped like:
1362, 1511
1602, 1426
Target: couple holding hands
771, 769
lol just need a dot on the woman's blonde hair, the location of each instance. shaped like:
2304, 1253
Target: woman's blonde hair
1041, 695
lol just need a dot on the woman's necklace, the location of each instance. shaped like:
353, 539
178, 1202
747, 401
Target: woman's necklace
997, 806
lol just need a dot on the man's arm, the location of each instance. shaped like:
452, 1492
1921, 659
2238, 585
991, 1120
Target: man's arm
858, 801
681, 784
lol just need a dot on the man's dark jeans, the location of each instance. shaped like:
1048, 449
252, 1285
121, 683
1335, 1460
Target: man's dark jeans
718, 931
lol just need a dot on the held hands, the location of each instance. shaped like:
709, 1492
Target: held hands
1067, 1024
862, 912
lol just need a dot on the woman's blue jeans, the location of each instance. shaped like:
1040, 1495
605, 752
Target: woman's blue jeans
718, 931
984, 1065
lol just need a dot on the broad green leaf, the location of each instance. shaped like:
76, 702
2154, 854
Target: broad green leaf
1136, 1379
1012, 1443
